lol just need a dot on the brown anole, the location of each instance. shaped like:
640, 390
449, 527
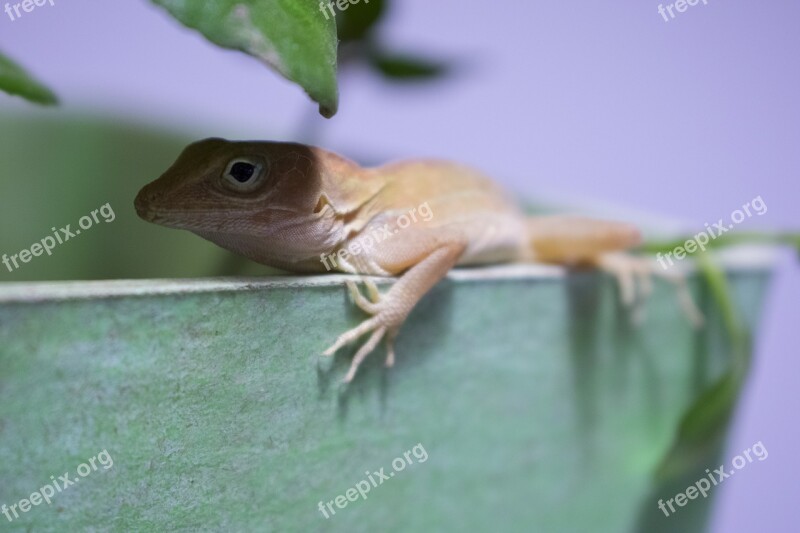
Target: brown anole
305, 209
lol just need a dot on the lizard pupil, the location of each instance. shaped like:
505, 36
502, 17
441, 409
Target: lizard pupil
242, 172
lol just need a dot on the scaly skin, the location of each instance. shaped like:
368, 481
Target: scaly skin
300, 208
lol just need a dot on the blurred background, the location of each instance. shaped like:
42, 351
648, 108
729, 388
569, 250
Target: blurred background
681, 122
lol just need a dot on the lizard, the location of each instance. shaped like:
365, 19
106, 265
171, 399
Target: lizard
298, 207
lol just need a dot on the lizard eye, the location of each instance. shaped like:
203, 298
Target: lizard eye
243, 173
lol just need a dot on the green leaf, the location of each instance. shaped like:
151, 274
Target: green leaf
294, 37
355, 22
15, 80
703, 426
705, 423
407, 68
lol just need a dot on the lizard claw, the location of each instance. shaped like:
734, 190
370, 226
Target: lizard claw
363, 352
380, 324
349, 336
390, 336
628, 269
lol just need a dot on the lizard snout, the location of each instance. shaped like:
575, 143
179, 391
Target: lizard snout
144, 204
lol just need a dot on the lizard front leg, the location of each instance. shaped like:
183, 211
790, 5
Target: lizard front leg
425, 257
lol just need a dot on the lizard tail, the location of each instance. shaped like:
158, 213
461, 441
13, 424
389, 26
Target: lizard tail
572, 239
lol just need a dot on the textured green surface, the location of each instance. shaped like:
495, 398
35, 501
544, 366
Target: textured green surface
540, 407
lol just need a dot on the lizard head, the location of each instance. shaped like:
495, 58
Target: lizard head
275, 203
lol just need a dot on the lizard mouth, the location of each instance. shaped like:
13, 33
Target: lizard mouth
148, 210
169, 218
156, 217
151, 216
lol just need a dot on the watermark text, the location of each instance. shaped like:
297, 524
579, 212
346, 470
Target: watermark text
704, 485
373, 480
699, 241
61, 484
59, 236
365, 243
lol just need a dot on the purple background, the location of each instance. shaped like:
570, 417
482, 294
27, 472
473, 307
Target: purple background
689, 118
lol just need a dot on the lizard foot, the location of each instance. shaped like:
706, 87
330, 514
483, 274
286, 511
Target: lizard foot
628, 269
382, 324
